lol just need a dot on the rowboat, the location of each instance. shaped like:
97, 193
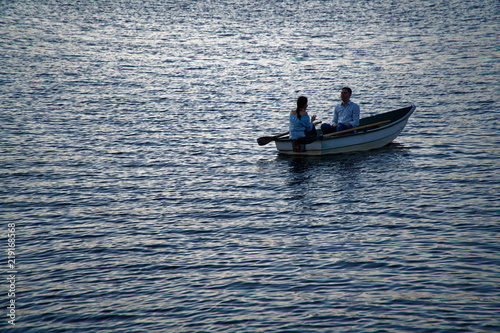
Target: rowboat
373, 132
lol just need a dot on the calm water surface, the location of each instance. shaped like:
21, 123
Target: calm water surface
142, 203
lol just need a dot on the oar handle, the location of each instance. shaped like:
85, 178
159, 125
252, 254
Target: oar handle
280, 135
358, 128
283, 134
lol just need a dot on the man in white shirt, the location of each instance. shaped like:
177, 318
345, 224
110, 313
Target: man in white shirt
346, 114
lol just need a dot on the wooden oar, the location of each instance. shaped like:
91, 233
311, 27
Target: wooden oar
358, 128
266, 139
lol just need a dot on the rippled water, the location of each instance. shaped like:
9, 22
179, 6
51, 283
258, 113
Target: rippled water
142, 202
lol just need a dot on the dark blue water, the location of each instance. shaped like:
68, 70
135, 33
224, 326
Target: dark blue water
142, 203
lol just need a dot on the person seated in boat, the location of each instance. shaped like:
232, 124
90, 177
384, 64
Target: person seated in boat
301, 125
346, 114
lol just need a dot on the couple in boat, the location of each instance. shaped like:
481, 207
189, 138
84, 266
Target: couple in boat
346, 116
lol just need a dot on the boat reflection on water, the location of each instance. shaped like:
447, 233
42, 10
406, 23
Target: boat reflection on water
342, 179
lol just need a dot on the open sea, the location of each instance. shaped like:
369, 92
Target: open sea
134, 196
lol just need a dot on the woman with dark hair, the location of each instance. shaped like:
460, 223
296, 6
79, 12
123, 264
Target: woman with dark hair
301, 125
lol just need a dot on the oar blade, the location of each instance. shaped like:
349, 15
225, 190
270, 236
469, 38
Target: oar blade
265, 140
